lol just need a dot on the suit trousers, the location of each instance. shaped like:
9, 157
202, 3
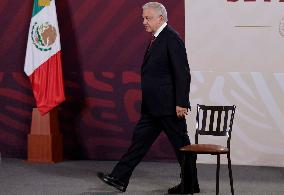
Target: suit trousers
145, 133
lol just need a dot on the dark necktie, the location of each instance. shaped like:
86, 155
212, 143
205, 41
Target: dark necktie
151, 42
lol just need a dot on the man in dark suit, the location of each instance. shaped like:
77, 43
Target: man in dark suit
165, 83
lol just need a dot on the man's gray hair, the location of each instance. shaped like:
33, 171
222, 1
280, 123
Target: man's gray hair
160, 8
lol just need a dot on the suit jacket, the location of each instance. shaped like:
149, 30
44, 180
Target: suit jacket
165, 75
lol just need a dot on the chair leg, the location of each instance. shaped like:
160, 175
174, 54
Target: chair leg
230, 173
217, 174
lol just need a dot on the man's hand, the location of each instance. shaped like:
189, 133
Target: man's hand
181, 112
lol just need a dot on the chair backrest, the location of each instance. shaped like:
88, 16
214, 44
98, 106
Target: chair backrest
215, 121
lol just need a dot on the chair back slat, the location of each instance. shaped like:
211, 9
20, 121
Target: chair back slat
204, 120
219, 120
211, 123
225, 121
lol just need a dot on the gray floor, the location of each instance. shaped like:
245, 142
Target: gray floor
79, 178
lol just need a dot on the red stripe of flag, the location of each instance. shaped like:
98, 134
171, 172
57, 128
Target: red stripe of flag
47, 84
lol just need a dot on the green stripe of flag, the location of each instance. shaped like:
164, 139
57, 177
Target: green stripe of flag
37, 8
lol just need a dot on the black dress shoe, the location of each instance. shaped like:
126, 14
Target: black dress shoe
177, 189
112, 181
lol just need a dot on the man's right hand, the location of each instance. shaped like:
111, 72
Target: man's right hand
181, 112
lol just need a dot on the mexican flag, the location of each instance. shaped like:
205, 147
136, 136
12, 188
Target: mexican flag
43, 56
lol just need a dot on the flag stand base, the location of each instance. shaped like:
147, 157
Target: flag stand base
45, 139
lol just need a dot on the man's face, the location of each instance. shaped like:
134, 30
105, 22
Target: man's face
151, 20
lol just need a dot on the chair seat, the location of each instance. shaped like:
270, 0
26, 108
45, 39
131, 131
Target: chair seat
205, 149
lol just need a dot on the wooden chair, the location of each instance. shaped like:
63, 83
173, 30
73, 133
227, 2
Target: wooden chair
223, 122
